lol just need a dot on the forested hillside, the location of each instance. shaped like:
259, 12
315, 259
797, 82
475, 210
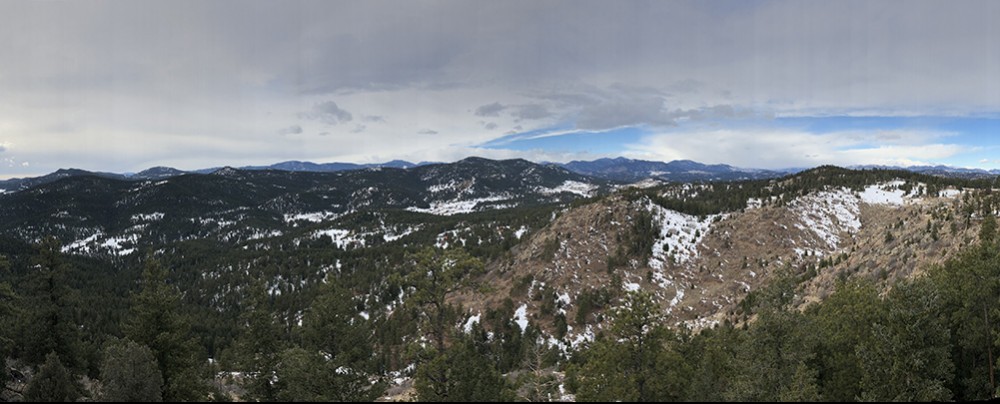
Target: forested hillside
489, 281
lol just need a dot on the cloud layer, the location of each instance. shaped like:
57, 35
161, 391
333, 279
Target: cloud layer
120, 85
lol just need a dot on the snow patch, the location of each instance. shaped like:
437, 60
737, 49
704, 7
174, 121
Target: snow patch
393, 236
82, 244
564, 299
520, 232
574, 187
521, 317
472, 321
631, 287
679, 236
454, 207
950, 193
147, 217
884, 194
828, 214
341, 238
314, 217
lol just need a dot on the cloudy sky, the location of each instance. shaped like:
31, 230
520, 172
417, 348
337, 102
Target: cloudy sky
125, 85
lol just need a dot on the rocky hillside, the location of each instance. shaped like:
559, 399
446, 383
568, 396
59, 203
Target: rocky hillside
701, 269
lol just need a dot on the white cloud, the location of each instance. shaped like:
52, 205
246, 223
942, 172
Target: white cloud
761, 148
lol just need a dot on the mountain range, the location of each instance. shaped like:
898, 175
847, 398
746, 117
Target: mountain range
550, 252
617, 169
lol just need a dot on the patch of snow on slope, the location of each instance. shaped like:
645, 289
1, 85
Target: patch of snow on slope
573, 187
644, 184
450, 186
83, 244
471, 322
520, 232
521, 317
314, 217
679, 236
147, 217
341, 238
454, 207
564, 299
828, 214
950, 193
393, 236
631, 287
884, 194
115, 244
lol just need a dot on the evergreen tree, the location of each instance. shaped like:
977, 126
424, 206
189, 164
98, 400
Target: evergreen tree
310, 376
53, 383
770, 360
51, 324
968, 286
434, 274
8, 315
336, 358
129, 373
637, 363
156, 322
908, 360
712, 355
257, 350
460, 373
843, 321
988, 231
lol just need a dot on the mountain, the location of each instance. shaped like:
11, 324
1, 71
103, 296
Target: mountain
157, 173
20, 184
331, 167
114, 215
942, 171
623, 169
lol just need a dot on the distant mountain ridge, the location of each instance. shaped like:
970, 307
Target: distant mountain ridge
629, 170
618, 169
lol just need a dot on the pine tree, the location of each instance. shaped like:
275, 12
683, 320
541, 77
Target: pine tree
310, 376
8, 315
335, 360
843, 322
988, 231
129, 373
908, 360
637, 362
53, 383
156, 322
460, 373
257, 350
434, 274
51, 324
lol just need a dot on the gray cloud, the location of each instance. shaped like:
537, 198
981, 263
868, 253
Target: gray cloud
359, 128
110, 69
490, 125
493, 109
291, 130
427, 132
329, 113
531, 112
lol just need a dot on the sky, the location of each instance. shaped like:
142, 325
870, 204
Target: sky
121, 86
